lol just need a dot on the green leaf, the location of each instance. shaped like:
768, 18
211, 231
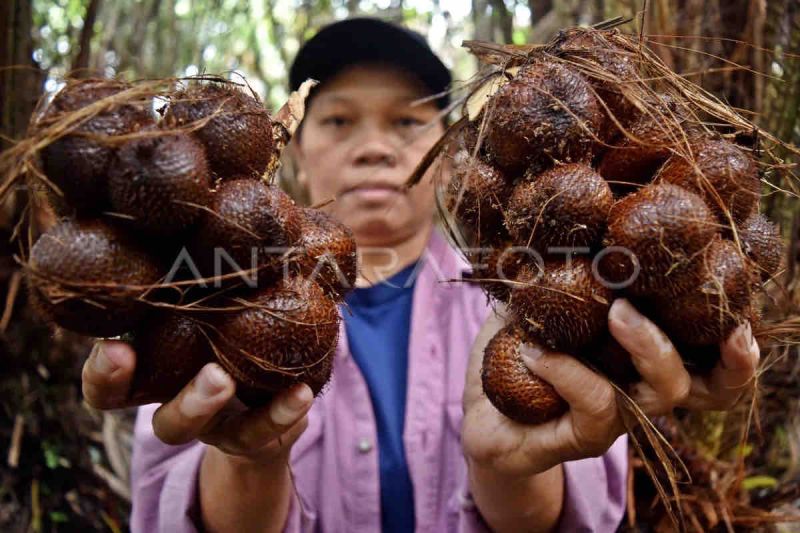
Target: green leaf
759, 482
59, 517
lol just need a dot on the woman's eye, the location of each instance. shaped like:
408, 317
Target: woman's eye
337, 121
408, 122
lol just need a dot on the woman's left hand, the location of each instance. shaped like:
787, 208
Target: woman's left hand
593, 422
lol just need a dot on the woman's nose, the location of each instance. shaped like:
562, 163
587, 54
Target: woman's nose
375, 153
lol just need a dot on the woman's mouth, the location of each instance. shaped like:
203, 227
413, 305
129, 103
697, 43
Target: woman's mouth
373, 192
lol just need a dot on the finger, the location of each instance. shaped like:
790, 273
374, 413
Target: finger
730, 378
252, 431
494, 322
652, 354
107, 374
184, 417
591, 397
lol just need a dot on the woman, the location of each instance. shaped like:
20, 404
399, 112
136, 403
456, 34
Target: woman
403, 438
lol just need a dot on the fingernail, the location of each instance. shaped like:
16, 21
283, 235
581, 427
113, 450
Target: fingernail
102, 359
530, 353
743, 341
623, 311
284, 412
211, 381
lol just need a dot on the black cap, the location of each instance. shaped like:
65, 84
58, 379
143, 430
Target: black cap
369, 40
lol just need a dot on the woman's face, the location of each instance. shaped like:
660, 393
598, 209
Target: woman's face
359, 142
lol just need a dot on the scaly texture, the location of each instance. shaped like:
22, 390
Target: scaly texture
709, 313
564, 306
477, 194
565, 206
237, 133
170, 351
636, 155
614, 69
662, 229
722, 173
512, 388
326, 253
494, 268
248, 220
761, 241
87, 275
286, 335
547, 113
163, 183
78, 162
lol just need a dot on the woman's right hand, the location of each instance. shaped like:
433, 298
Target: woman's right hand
206, 409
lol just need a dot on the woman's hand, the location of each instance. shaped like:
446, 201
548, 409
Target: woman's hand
593, 422
205, 409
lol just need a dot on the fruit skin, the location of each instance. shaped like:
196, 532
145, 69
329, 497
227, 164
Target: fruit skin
326, 253
287, 334
529, 126
86, 276
170, 350
493, 268
477, 194
564, 306
154, 179
76, 163
721, 166
761, 241
246, 217
238, 138
565, 206
635, 157
666, 228
512, 388
617, 63
710, 312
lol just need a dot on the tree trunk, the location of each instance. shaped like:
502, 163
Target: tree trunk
80, 65
539, 8
20, 78
504, 18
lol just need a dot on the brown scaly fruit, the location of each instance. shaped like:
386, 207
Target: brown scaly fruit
565, 206
87, 276
547, 113
238, 135
663, 230
636, 156
247, 219
710, 312
722, 173
162, 183
494, 268
287, 334
609, 67
326, 253
476, 194
78, 162
761, 241
512, 388
564, 306
170, 351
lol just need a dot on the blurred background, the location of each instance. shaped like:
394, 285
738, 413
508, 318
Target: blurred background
64, 467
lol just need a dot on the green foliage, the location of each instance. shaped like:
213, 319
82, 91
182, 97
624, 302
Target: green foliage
257, 39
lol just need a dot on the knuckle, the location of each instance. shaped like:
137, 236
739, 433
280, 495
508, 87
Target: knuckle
680, 392
603, 400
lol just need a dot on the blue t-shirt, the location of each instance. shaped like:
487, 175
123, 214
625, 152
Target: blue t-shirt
377, 323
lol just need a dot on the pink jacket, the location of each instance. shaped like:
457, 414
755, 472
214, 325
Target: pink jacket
335, 461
